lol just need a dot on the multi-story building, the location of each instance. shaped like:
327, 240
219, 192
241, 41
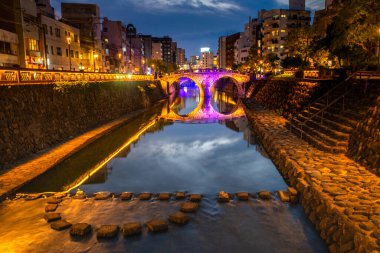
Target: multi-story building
87, 18
207, 58
8, 49
222, 52
277, 24
157, 51
115, 38
195, 62
174, 53
166, 43
230, 49
181, 56
297, 5
147, 41
62, 45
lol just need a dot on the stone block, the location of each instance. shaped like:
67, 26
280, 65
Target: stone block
265, 195
223, 197
80, 229
145, 196
60, 225
107, 231
79, 195
51, 207
189, 207
292, 191
102, 195
157, 225
33, 196
242, 195
126, 196
284, 197
132, 228
49, 217
53, 200
180, 195
179, 218
163, 196
195, 197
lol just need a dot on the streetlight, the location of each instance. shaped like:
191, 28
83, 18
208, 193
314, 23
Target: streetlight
119, 55
68, 39
95, 57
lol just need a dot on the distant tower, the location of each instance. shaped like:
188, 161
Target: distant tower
297, 4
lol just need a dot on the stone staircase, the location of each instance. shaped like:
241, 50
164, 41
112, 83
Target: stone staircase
328, 123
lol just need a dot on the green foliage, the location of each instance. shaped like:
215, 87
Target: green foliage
161, 66
291, 62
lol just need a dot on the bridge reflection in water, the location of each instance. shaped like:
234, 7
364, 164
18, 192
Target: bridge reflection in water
210, 105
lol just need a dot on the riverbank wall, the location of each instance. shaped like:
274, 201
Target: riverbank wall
35, 117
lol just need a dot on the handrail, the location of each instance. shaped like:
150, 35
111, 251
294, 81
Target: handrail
28, 76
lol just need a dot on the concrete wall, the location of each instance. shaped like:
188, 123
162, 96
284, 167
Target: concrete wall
35, 117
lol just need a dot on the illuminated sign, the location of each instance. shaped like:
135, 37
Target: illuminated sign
205, 50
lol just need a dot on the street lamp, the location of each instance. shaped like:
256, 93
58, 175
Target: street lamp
119, 55
95, 57
68, 39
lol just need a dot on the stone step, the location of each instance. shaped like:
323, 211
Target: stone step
331, 115
328, 140
316, 143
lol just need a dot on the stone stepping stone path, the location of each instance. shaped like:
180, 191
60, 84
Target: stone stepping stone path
189, 207
126, 196
179, 218
53, 200
60, 225
131, 228
102, 195
51, 207
80, 229
180, 195
224, 197
242, 196
145, 196
163, 196
107, 231
265, 195
195, 197
157, 225
49, 217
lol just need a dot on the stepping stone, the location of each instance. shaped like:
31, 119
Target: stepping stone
49, 217
51, 207
79, 195
33, 196
132, 228
126, 196
107, 231
179, 218
223, 197
80, 229
145, 196
53, 200
284, 196
102, 195
180, 195
265, 195
189, 207
164, 196
242, 195
60, 225
60, 195
157, 225
195, 197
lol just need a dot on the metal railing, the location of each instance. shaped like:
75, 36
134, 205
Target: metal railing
31, 76
348, 87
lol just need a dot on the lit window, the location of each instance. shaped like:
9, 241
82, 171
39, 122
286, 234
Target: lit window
33, 45
283, 31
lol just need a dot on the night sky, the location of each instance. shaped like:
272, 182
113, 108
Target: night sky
192, 23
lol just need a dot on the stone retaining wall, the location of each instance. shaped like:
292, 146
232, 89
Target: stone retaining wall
364, 144
340, 197
35, 117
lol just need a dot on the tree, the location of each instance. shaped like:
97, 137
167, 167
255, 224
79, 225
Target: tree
291, 62
299, 43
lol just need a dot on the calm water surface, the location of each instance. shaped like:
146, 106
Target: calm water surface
197, 158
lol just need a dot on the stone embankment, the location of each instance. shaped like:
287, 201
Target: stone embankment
364, 144
37, 116
340, 197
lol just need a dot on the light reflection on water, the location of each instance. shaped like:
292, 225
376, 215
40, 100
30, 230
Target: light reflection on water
198, 158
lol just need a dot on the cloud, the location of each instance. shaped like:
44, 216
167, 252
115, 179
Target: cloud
185, 5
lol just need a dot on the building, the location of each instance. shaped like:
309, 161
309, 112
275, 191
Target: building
222, 52
181, 56
230, 50
8, 49
277, 24
115, 39
195, 62
157, 51
45, 8
87, 18
147, 41
297, 5
174, 53
62, 45
207, 58
166, 46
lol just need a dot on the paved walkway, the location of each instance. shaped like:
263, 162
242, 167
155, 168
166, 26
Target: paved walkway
24, 173
340, 197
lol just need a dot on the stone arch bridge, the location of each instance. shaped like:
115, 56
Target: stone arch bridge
206, 80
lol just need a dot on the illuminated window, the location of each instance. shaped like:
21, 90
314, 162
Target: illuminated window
283, 16
33, 45
283, 31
